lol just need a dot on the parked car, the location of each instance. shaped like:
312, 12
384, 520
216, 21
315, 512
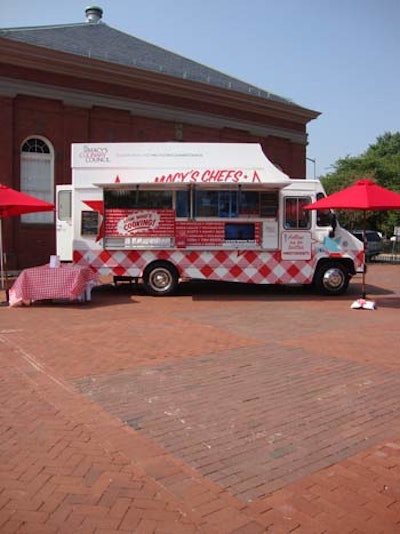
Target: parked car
374, 242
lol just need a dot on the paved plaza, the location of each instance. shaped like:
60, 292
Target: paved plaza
226, 409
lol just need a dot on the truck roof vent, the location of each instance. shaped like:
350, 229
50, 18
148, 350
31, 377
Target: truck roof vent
94, 14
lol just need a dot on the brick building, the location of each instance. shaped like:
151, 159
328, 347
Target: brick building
89, 82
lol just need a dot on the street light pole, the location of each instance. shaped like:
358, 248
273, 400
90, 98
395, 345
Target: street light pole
314, 161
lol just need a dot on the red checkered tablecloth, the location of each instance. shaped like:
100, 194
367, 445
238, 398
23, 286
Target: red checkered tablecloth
48, 283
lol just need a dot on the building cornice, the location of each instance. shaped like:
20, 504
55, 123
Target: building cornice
11, 87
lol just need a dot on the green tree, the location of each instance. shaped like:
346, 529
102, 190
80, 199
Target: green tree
381, 163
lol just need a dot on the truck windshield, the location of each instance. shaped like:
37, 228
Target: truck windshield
324, 217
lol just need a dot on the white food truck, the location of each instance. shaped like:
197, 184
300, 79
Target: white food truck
166, 212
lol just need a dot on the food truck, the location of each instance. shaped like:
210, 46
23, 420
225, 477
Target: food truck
163, 213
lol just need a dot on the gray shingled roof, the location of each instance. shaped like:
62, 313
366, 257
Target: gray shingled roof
102, 42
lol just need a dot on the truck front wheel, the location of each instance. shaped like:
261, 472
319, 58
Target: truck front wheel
331, 278
160, 279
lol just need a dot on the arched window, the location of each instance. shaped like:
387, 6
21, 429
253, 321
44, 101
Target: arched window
37, 176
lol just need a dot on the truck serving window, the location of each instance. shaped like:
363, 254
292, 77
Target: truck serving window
183, 203
269, 204
215, 203
296, 217
231, 204
137, 199
249, 204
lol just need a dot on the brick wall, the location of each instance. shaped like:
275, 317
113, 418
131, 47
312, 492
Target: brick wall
25, 116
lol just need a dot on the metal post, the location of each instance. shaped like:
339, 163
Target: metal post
314, 161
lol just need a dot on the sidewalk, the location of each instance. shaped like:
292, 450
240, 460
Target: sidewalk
223, 410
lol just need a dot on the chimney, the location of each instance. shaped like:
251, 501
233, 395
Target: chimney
93, 14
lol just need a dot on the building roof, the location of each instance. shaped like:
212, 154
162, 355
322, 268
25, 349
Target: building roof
96, 40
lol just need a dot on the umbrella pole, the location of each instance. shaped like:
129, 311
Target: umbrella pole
363, 290
3, 264
1, 256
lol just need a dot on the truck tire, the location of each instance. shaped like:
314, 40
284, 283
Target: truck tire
331, 278
160, 279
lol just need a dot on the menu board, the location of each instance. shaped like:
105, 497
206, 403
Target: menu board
89, 222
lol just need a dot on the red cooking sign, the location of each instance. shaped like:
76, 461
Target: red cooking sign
139, 223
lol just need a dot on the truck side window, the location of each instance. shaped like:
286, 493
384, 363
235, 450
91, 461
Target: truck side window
137, 199
296, 217
64, 205
206, 204
269, 204
216, 203
236, 204
249, 204
89, 222
182, 203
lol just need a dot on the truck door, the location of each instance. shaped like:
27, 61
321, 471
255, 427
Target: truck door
296, 237
64, 222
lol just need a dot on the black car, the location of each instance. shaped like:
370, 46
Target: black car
374, 242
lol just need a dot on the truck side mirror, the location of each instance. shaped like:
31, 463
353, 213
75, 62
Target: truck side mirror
333, 225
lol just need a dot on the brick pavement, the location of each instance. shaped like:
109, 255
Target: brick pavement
223, 410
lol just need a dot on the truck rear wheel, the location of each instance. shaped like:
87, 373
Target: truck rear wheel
160, 279
331, 278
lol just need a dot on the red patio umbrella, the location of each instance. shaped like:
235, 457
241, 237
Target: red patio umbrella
12, 203
363, 195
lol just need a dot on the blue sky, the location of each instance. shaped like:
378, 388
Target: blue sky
339, 57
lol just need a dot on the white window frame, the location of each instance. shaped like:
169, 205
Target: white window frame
32, 163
